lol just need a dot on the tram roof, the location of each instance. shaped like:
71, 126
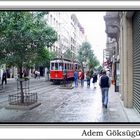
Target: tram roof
62, 59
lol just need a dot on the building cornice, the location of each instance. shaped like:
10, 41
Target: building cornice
112, 21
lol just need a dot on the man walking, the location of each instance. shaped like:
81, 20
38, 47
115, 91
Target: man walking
76, 78
88, 75
94, 79
4, 77
104, 84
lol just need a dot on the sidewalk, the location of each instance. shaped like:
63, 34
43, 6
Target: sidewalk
117, 108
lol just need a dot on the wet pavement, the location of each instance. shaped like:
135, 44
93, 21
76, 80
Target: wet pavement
81, 104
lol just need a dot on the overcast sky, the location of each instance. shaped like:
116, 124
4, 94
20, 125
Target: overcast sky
94, 26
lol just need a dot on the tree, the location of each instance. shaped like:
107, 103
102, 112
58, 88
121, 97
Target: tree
93, 62
86, 55
44, 58
23, 38
83, 53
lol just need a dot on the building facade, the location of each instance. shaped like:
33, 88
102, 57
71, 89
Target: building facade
71, 34
129, 54
112, 21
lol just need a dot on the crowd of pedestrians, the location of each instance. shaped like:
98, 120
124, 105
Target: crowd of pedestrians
103, 77
104, 82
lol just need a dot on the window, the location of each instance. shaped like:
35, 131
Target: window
60, 66
52, 66
56, 66
68, 66
65, 66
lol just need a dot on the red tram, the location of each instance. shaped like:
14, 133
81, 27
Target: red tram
59, 68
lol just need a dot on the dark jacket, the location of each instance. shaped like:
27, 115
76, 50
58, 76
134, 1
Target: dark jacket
94, 78
104, 81
4, 76
88, 75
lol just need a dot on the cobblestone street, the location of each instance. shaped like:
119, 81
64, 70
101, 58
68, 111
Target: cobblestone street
63, 105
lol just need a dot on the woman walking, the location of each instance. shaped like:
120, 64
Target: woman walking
82, 77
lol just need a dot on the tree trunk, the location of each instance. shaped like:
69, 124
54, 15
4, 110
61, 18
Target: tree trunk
21, 85
82, 66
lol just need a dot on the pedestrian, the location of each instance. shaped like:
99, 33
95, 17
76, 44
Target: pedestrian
35, 74
82, 77
88, 78
65, 80
104, 84
100, 74
94, 79
108, 73
38, 74
76, 78
4, 77
24, 73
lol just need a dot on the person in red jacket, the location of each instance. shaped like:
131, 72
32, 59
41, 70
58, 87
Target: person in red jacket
82, 77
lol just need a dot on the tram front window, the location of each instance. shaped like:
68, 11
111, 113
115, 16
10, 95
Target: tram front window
60, 66
52, 66
56, 66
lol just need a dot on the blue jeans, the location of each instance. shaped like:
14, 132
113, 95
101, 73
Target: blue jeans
76, 82
82, 82
104, 95
88, 82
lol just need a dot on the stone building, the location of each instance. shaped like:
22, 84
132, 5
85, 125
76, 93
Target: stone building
78, 34
112, 21
129, 54
70, 32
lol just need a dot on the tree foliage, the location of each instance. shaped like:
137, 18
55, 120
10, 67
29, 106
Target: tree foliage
86, 55
44, 58
23, 39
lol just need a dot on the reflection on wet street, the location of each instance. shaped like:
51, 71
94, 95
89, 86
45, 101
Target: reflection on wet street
81, 104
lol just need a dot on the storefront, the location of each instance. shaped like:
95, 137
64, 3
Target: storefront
136, 60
